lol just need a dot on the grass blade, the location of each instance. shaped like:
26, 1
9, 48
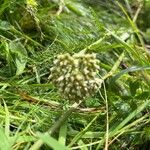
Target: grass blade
4, 142
51, 142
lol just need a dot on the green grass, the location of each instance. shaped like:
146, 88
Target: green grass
117, 116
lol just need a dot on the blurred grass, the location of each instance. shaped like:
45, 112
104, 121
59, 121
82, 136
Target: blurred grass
33, 32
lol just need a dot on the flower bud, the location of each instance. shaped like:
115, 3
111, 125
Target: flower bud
75, 76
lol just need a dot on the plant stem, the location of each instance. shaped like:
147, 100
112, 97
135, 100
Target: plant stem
63, 118
57, 125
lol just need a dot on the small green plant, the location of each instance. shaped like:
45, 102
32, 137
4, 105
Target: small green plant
32, 114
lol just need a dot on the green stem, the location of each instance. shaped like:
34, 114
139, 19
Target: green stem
57, 125
63, 118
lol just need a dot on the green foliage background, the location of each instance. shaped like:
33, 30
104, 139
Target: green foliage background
33, 32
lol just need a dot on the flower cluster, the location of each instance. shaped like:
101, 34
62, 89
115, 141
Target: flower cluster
76, 76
